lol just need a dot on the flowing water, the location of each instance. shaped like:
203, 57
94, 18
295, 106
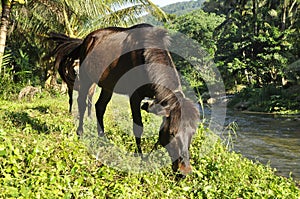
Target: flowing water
270, 139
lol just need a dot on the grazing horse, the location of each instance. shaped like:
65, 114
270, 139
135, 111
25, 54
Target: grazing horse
135, 61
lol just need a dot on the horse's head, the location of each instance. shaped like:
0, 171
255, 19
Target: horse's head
177, 129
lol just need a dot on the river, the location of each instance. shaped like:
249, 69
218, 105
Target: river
269, 139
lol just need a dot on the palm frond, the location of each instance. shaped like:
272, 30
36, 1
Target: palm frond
6, 59
125, 14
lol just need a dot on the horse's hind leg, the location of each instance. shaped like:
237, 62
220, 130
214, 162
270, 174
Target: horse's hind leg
70, 93
81, 100
135, 103
90, 98
100, 106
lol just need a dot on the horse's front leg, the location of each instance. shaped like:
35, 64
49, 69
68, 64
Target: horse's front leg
135, 103
100, 106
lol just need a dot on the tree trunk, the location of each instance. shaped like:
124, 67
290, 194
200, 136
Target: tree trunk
292, 12
6, 8
254, 12
284, 9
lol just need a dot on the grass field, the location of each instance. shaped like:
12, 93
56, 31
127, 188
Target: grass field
41, 157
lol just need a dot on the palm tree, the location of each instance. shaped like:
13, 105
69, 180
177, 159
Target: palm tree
6, 9
79, 17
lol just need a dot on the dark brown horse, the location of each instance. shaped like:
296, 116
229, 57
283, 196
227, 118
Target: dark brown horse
135, 61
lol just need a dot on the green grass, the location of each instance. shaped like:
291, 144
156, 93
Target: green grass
41, 157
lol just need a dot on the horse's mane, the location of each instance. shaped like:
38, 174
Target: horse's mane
166, 82
161, 69
185, 114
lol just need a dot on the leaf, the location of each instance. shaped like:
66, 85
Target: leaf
273, 13
186, 188
12, 191
21, 1
2, 152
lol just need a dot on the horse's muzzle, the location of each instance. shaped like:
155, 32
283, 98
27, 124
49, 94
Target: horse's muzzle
183, 168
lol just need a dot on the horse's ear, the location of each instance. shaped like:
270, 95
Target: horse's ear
156, 109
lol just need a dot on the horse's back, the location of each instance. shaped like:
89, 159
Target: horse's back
110, 53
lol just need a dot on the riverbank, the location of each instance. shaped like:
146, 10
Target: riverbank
269, 99
40, 156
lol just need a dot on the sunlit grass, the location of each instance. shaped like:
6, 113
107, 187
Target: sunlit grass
41, 157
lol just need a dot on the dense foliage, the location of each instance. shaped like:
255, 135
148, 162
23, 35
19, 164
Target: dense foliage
254, 44
199, 26
41, 157
257, 43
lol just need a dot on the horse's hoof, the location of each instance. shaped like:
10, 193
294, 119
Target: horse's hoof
139, 155
101, 134
79, 133
145, 159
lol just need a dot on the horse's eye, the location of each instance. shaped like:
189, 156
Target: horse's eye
172, 135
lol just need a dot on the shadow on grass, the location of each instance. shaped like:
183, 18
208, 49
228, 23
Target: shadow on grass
42, 109
21, 119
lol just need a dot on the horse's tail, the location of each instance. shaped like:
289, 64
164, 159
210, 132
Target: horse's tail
67, 51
